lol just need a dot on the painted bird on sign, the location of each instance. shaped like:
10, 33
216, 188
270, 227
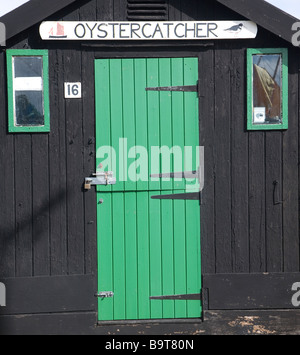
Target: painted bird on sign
235, 29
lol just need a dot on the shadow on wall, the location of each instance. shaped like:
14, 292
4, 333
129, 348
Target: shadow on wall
31, 217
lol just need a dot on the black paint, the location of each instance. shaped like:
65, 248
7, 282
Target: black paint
250, 291
46, 231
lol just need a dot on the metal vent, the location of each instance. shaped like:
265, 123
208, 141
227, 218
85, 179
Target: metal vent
147, 10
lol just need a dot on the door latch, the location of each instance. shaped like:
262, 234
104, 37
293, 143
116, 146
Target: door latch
100, 178
104, 294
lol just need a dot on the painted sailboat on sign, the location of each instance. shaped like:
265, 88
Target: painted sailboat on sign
161, 30
57, 31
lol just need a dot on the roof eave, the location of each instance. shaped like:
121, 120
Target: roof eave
265, 15
31, 13
259, 11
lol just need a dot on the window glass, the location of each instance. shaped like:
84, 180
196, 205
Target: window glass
267, 86
28, 66
29, 108
267, 73
28, 90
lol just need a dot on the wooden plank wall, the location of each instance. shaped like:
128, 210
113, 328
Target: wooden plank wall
47, 222
247, 223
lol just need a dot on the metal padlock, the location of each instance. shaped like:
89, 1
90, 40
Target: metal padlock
87, 185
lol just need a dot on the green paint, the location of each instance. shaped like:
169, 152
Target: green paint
178, 114
284, 90
153, 119
12, 127
146, 247
103, 106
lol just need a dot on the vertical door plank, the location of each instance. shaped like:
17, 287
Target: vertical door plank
167, 248
130, 211
143, 254
129, 118
119, 255
105, 255
191, 129
180, 256
141, 124
178, 119
165, 122
155, 255
153, 122
117, 123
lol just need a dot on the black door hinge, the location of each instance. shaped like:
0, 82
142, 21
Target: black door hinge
188, 297
182, 88
184, 196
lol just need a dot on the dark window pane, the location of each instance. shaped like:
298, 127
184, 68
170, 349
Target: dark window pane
267, 86
28, 66
29, 108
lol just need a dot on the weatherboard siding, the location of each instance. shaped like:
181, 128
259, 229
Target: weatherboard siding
48, 223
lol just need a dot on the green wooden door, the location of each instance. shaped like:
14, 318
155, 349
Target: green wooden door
147, 247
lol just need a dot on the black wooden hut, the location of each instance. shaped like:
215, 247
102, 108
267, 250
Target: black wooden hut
219, 255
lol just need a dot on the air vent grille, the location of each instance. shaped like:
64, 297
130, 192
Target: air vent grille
147, 10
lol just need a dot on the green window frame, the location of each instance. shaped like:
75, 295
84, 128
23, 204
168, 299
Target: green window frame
270, 82
28, 90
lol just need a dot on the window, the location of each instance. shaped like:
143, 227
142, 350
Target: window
267, 89
28, 90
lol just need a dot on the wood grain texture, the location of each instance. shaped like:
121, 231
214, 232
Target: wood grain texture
171, 248
222, 160
278, 322
48, 224
250, 291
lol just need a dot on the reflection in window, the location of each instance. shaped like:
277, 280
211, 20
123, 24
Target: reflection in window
29, 108
267, 89
28, 91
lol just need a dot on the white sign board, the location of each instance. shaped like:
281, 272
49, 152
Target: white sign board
164, 30
72, 90
259, 115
